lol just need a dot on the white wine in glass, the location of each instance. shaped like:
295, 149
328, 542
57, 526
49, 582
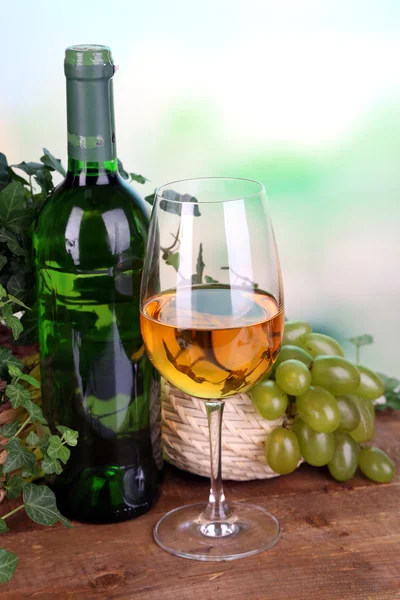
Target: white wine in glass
212, 322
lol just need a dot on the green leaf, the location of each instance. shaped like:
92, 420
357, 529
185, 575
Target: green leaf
15, 325
14, 177
35, 412
17, 301
40, 504
5, 354
8, 564
16, 372
30, 324
13, 212
362, 340
150, 198
15, 486
210, 279
122, 171
65, 522
35, 472
3, 261
138, 178
69, 435
18, 283
44, 444
44, 179
3, 293
10, 239
9, 429
54, 163
51, 465
18, 456
6, 358
390, 383
29, 168
57, 450
3, 526
32, 439
4, 178
175, 206
18, 395
172, 258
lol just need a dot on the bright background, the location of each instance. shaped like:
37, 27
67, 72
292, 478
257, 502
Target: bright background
303, 95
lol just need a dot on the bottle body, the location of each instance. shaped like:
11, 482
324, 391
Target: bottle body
89, 246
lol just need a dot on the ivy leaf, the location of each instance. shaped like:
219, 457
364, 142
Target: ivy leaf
12, 243
362, 340
3, 261
175, 207
3, 526
18, 456
51, 465
13, 212
53, 163
30, 324
15, 325
210, 279
172, 258
40, 504
138, 178
390, 383
44, 179
29, 168
3, 292
32, 439
35, 412
7, 360
15, 486
57, 450
44, 444
4, 177
8, 564
9, 429
65, 521
18, 395
35, 472
122, 171
16, 372
17, 301
150, 198
14, 177
69, 435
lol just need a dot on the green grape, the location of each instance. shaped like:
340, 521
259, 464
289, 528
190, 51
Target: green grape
316, 448
319, 409
344, 464
336, 374
365, 429
293, 377
349, 413
269, 400
371, 386
294, 331
318, 344
282, 450
376, 465
293, 352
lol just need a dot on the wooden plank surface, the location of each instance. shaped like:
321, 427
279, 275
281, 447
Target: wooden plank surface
339, 542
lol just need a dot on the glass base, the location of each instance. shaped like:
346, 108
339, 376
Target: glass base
185, 532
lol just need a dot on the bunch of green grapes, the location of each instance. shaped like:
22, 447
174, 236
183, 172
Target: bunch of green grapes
327, 405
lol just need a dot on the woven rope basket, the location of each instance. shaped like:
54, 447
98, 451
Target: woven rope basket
186, 441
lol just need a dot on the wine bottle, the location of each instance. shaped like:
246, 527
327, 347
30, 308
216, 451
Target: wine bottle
89, 246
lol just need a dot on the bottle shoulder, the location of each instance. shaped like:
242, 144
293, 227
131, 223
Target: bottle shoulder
92, 225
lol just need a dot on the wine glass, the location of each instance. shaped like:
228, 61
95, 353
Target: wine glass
212, 323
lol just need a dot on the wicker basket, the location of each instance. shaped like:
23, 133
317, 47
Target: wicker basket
186, 442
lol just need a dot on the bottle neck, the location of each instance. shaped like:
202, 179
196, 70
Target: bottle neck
91, 127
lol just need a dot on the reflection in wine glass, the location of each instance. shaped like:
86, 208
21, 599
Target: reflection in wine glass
212, 322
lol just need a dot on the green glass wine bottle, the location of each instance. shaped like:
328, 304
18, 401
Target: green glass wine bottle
89, 246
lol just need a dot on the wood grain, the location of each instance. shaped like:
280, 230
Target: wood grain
339, 542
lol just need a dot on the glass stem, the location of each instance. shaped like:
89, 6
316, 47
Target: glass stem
217, 508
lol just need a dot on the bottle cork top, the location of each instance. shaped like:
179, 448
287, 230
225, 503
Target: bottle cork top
88, 61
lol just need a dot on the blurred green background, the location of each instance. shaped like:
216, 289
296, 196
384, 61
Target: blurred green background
301, 95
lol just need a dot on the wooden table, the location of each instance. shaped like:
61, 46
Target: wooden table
339, 542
